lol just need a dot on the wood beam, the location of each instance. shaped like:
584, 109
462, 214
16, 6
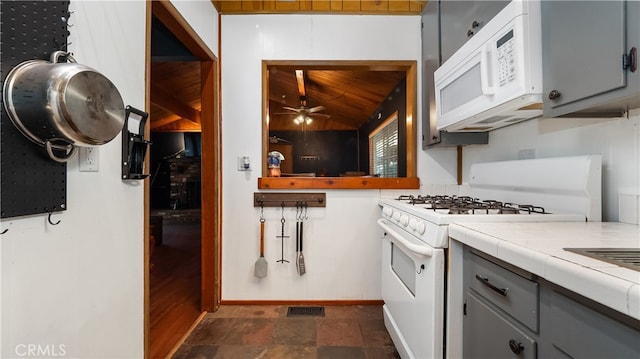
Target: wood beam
300, 80
164, 121
162, 98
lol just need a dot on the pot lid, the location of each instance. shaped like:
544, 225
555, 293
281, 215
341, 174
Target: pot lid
92, 107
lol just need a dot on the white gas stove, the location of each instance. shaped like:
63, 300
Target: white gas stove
415, 234
426, 216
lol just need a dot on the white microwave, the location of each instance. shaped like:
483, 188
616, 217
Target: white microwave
495, 78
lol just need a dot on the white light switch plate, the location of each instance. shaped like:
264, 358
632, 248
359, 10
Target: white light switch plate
244, 163
88, 157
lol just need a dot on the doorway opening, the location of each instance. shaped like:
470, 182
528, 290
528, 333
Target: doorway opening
182, 228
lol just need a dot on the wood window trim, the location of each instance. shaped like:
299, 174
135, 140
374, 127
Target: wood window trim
296, 183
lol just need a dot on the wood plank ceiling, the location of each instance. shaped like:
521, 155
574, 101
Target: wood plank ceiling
348, 96
397, 7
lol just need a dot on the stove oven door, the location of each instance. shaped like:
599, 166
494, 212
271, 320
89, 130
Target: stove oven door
413, 293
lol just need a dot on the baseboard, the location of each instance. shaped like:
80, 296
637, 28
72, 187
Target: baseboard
303, 302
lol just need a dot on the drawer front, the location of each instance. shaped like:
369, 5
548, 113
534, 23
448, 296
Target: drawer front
486, 334
516, 295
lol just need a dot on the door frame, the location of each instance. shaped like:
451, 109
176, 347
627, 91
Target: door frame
211, 179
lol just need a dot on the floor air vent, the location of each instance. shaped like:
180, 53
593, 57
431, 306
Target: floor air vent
305, 312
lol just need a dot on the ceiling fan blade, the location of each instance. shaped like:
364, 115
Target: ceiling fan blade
315, 109
285, 113
320, 115
291, 108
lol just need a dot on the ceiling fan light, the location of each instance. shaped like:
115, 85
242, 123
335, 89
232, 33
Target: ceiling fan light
298, 120
308, 120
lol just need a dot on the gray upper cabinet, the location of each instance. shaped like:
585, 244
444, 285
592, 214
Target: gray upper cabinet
447, 25
460, 20
587, 67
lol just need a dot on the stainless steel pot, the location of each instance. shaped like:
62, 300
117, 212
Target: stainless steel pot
61, 105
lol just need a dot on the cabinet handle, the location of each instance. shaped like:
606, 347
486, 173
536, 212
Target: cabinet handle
515, 347
485, 281
475, 24
554, 94
630, 61
469, 33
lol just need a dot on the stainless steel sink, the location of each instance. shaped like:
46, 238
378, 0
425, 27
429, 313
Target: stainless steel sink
624, 257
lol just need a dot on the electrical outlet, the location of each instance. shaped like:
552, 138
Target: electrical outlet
88, 157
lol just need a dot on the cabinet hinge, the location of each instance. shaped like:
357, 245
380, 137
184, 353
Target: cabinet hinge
630, 61
464, 308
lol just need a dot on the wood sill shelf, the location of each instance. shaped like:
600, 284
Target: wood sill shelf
338, 183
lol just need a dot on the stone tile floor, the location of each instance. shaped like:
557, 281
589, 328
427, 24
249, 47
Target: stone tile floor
265, 331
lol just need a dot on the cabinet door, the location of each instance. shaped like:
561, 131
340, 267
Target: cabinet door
487, 334
459, 20
582, 47
578, 331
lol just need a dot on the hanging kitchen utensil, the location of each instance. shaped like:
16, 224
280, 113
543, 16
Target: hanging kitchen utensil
61, 105
302, 268
261, 265
297, 238
282, 237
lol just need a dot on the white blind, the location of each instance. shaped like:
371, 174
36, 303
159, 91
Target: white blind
383, 149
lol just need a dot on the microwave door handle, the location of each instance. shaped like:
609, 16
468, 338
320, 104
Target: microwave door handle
485, 61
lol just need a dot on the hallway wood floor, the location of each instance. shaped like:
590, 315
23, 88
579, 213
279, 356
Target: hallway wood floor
174, 287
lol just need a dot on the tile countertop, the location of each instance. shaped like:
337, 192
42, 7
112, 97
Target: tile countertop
537, 247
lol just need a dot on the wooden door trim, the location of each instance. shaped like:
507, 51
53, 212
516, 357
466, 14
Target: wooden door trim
210, 161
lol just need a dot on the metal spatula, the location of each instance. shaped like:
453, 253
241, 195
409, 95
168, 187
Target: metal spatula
301, 267
260, 269
298, 246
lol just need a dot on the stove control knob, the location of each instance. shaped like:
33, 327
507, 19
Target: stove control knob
404, 220
396, 216
421, 227
387, 212
413, 223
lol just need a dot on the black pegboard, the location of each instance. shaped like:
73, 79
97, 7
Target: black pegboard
30, 182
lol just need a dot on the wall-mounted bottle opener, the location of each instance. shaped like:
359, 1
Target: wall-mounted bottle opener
134, 146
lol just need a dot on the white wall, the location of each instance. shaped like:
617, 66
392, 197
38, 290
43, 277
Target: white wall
341, 241
77, 288
616, 139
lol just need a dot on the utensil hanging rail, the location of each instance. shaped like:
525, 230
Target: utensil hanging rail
289, 199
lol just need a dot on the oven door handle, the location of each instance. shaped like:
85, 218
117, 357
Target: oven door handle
423, 250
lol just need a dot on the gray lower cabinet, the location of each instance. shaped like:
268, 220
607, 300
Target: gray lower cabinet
500, 310
511, 313
488, 333
574, 329
589, 49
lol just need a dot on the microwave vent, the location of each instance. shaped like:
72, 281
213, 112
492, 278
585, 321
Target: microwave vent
476, 129
533, 106
494, 119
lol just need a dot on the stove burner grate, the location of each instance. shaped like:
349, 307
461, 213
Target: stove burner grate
469, 205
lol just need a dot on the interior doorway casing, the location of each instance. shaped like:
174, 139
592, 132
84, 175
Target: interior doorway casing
211, 161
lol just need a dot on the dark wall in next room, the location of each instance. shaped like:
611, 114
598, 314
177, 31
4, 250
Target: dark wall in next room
335, 152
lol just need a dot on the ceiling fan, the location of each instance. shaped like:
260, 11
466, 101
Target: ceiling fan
304, 112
